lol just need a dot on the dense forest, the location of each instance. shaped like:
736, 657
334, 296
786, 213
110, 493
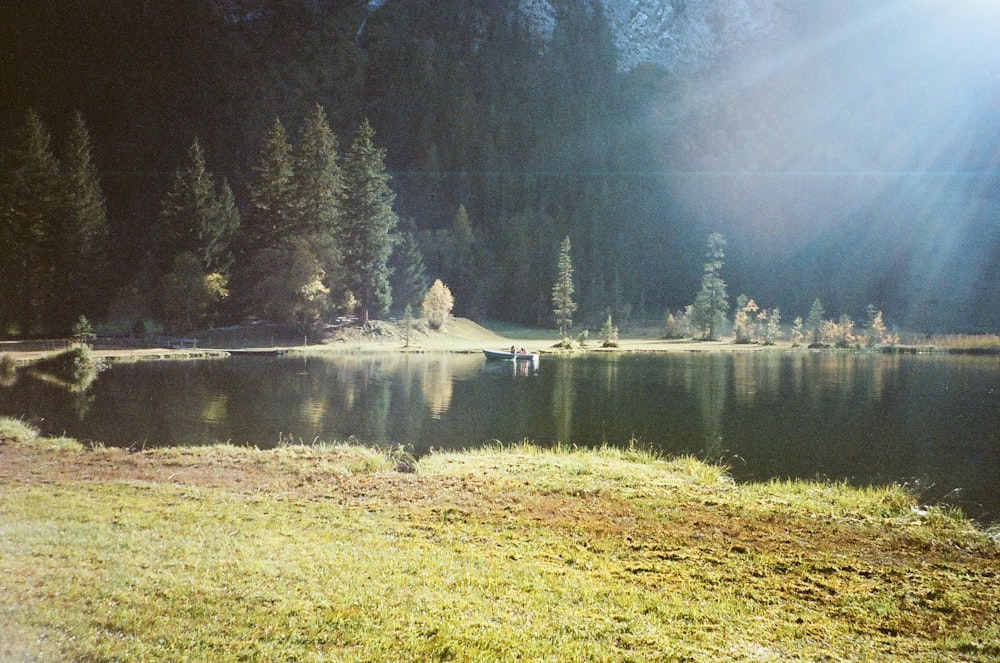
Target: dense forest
491, 146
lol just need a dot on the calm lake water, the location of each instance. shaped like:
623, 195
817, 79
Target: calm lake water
930, 421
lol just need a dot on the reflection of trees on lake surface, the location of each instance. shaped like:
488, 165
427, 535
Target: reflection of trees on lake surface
769, 396
436, 385
563, 398
708, 379
860, 416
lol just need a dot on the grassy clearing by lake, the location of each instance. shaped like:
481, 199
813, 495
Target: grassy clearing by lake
966, 342
329, 553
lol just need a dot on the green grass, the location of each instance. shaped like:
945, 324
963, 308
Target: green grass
16, 431
521, 332
505, 554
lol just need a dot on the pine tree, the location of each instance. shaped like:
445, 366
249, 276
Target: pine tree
277, 269
32, 208
198, 217
368, 223
198, 222
797, 334
407, 324
772, 325
272, 214
562, 291
877, 332
708, 313
88, 268
745, 319
609, 334
462, 265
814, 321
317, 185
408, 278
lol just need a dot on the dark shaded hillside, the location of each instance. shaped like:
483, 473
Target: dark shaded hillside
536, 140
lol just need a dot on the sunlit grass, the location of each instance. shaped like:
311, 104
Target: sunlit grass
16, 431
521, 332
981, 342
325, 552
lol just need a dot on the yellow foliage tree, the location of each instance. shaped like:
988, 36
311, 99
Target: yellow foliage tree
438, 304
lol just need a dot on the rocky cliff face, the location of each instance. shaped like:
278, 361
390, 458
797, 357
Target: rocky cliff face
683, 36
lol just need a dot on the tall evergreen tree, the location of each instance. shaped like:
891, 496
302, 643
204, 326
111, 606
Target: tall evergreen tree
277, 273
197, 216
524, 255
708, 313
814, 321
368, 223
198, 222
272, 214
316, 188
88, 267
464, 270
32, 207
562, 291
408, 278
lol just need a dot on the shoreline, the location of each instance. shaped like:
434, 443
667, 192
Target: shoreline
460, 336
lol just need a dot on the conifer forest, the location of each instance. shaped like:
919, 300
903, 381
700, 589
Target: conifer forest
206, 162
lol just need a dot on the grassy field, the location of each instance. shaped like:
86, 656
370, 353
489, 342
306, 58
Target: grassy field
338, 553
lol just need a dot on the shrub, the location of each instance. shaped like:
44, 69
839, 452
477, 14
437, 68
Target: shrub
75, 367
676, 326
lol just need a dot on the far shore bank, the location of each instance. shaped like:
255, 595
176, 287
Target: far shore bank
460, 335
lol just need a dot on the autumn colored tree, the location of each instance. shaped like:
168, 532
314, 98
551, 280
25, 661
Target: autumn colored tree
438, 304
189, 293
877, 332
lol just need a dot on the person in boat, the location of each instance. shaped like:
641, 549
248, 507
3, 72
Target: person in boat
523, 351
513, 350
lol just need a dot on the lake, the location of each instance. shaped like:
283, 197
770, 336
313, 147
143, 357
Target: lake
930, 421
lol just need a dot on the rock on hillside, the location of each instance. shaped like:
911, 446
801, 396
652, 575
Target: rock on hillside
683, 36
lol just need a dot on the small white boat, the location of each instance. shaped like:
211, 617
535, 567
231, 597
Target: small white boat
506, 355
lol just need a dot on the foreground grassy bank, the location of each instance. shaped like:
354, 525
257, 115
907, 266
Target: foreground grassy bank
346, 554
